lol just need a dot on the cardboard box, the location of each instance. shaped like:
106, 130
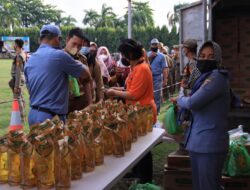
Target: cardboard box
226, 24
245, 45
226, 33
178, 161
177, 179
245, 81
244, 58
182, 180
242, 92
236, 183
244, 22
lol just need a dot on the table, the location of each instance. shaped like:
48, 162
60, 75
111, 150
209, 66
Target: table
113, 169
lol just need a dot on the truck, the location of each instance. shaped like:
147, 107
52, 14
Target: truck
226, 22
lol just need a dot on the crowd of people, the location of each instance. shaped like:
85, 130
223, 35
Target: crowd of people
106, 70
60, 81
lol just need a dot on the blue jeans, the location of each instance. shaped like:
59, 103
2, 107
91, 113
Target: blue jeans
36, 116
157, 92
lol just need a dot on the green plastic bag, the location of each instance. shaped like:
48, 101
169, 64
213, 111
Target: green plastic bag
146, 186
73, 86
170, 121
237, 161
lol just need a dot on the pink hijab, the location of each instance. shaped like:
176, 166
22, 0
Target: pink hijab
108, 62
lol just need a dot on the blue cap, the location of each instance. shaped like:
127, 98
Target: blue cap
52, 29
154, 41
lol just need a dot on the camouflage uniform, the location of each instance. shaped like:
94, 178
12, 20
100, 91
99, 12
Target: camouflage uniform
17, 81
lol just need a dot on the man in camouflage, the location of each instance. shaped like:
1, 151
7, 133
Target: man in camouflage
17, 74
74, 42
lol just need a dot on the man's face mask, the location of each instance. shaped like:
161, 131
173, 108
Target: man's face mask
84, 50
206, 65
125, 62
73, 51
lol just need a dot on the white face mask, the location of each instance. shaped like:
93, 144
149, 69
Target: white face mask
73, 50
103, 57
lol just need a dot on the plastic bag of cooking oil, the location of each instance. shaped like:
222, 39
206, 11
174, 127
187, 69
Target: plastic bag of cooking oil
44, 161
15, 142
73, 131
3, 160
238, 159
62, 164
28, 179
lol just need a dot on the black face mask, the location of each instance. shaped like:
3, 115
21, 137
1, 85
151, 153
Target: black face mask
125, 62
154, 49
206, 65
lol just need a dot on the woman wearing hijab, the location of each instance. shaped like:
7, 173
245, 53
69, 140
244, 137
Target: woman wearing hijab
103, 54
207, 139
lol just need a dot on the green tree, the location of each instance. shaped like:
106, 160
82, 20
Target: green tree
68, 21
174, 17
91, 18
142, 14
34, 12
107, 18
107, 36
9, 14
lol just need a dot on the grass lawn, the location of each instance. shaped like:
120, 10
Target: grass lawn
6, 95
160, 152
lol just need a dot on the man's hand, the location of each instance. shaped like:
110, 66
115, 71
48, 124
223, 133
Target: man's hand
153, 54
165, 83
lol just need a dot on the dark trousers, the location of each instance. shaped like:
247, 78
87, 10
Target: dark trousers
157, 92
144, 169
206, 170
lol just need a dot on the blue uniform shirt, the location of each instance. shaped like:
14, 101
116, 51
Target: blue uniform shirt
209, 106
158, 64
46, 75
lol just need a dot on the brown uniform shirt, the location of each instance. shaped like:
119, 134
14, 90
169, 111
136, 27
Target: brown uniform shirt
97, 89
85, 85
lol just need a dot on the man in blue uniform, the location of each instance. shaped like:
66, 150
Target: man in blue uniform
159, 69
46, 75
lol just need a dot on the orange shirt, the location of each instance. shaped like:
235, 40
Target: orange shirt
139, 84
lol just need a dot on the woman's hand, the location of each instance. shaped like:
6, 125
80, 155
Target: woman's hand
110, 92
174, 100
118, 88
